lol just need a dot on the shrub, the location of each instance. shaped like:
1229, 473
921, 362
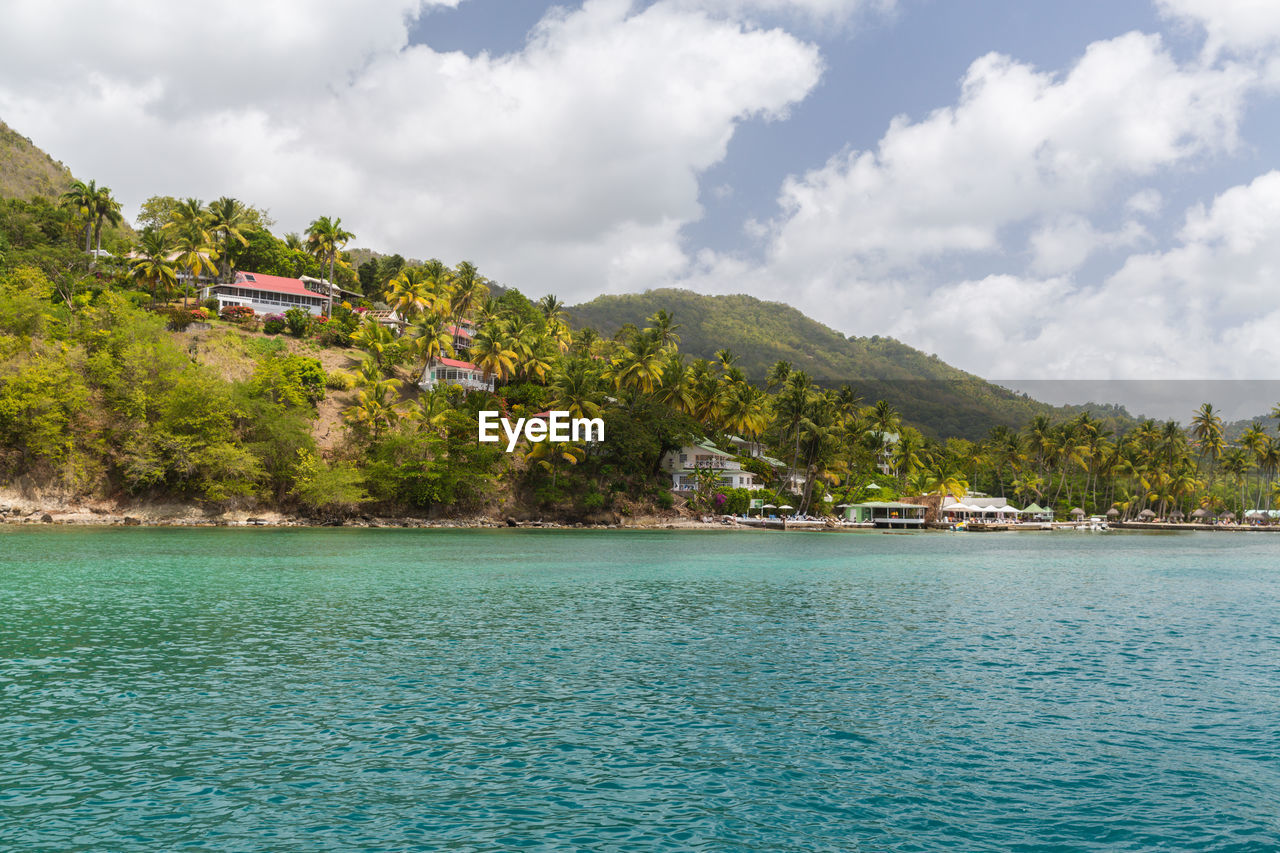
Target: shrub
290, 380
593, 501
339, 380
180, 318
666, 500
334, 335
138, 298
273, 324
237, 313
210, 305
298, 321
735, 501
199, 315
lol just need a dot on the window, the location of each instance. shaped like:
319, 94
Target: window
249, 277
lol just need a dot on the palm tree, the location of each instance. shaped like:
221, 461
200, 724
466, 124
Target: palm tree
792, 404
375, 339
1206, 426
491, 353
1236, 464
746, 411
372, 411
430, 410
778, 374
151, 265
547, 454
81, 199
227, 220
707, 392
664, 324
325, 239
469, 290
411, 293
430, 340
551, 307
575, 388
194, 253
639, 366
675, 388
105, 209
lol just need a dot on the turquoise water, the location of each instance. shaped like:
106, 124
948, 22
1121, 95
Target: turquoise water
282, 690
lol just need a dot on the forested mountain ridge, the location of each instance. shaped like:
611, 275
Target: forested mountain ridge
940, 399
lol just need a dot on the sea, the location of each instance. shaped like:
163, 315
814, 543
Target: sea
391, 690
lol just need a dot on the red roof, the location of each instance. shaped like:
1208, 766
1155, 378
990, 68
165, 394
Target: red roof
459, 332
273, 284
453, 362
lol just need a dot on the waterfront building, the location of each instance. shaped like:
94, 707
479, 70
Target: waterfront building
684, 463
891, 514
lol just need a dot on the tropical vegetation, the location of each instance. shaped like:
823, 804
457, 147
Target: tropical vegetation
103, 392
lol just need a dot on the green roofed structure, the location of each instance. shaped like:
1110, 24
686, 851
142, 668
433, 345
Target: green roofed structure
892, 514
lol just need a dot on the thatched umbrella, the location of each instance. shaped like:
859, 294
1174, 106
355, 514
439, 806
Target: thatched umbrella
1201, 514
1229, 515
1177, 514
1113, 513
1147, 513
1077, 512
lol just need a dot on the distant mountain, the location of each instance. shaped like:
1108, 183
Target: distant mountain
25, 170
939, 399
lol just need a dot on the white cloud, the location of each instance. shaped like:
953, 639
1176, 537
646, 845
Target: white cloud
1244, 25
885, 241
1202, 309
1063, 245
1019, 144
1147, 202
570, 165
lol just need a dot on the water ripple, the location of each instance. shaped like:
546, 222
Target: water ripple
432, 690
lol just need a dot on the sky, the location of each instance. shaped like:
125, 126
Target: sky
1035, 192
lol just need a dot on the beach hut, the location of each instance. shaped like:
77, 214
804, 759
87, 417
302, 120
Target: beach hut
1201, 515
1037, 513
1113, 513
1147, 514
1228, 516
1176, 515
1077, 513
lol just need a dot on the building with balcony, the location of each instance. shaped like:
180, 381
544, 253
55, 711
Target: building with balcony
683, 466
452, 371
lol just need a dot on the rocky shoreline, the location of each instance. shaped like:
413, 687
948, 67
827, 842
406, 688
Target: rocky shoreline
16, 509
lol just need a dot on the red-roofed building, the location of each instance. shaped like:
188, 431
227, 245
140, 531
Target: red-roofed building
452, 371
267, 294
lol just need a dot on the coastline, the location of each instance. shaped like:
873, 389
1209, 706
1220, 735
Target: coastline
18, 509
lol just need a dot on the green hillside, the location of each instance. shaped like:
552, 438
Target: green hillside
941, 400
26, 171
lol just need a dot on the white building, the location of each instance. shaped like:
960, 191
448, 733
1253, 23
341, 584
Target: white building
451, 371
266, 294
684, 463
